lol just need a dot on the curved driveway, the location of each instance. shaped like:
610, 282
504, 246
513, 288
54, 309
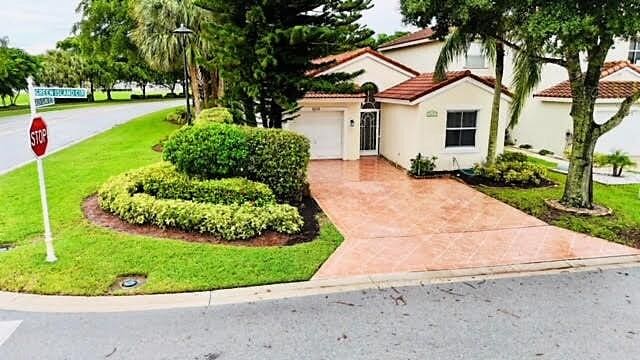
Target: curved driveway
67, 127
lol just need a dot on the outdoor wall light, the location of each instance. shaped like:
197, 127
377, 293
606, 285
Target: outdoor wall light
352, 123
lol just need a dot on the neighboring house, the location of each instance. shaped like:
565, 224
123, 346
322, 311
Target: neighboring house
548, 124
545, 123
401, 114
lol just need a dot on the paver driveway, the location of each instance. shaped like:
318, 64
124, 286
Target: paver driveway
393, 223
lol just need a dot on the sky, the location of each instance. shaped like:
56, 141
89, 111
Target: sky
36, 25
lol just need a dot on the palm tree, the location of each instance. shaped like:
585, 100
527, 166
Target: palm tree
153, 34
457, 44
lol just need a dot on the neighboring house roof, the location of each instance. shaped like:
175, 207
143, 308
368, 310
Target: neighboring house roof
606, 89
415, 38
414, 89
329, 62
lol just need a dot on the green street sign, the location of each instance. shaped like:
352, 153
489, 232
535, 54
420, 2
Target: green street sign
45, 101
66, 93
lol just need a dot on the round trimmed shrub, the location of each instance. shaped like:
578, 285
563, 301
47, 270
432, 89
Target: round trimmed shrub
218, 115
210, 152
246, 213
277, 158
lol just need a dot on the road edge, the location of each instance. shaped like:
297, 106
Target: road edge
106, 304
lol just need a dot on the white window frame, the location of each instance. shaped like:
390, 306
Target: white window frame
475, 52
634, 51
462, 148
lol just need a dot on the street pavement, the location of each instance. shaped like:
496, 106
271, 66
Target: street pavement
588, 315
66, 127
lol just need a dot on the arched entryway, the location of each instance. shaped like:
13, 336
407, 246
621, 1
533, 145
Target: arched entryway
369, 121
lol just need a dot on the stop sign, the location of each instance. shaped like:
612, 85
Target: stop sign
38, 136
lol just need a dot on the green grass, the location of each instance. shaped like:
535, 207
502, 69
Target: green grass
119, 97
623, 227
92, 257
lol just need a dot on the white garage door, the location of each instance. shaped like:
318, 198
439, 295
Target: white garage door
625, 137
324, 130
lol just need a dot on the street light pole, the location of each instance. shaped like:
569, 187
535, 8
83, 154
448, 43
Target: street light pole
184, 33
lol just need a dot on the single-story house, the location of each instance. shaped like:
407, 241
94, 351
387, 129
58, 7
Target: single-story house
548, 123
407, 113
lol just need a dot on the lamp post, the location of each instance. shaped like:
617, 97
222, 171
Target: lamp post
183, 32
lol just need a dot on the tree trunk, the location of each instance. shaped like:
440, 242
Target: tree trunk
144, 91
109, 94
249, 111
578, 190
275, 115
495, 109
93, 93
264, 113
14, 99
195, 88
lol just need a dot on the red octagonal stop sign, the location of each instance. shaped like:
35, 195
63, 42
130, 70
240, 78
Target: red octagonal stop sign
38, 136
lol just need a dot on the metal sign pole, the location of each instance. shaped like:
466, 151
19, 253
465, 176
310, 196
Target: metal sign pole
48, 237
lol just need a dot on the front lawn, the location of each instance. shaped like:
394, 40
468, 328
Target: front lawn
91, 258
623, 227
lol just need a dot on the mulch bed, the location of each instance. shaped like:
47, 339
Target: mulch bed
309, 210
481, 181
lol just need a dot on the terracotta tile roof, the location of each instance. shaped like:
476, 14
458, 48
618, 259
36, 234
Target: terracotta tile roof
424, 84
423, 34
331, 61
606, 89
325, 95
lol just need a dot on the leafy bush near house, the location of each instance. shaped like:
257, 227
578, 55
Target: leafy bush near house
122, 196
209, 152
423, 166
217, 115
276, 158
545, 152
618, 160
279, 159
525, 146
178, 116
513, 169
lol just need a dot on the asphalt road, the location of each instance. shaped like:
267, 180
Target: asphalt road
66, 127
570, 316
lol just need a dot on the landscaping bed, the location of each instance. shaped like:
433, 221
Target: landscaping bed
92, 258
623, 226
309, 210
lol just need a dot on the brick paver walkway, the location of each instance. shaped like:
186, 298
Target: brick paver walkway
393, 223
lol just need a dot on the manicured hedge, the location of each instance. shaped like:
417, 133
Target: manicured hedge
277, 158
209, 152
514, 169
232, 220
218, 115
177, 116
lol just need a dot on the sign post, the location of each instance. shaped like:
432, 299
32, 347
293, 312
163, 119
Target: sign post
38, 140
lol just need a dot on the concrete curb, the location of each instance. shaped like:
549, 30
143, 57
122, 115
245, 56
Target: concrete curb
106, 304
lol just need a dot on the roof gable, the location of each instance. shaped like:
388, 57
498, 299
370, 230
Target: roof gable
330, 62
420, 86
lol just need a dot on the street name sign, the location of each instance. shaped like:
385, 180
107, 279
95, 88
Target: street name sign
45, 101
62, 93
38, 139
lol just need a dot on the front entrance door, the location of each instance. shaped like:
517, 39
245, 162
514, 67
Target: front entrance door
369, 132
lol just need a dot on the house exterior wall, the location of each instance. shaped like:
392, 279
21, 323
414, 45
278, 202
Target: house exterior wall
406, 130
351, 111
547, 127
423, 58
376, 71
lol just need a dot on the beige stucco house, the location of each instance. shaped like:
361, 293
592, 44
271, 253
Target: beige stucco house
545, 123
407, 113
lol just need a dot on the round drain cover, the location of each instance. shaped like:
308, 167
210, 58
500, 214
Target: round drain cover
129, 283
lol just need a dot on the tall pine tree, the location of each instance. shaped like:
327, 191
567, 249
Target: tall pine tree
265, 48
